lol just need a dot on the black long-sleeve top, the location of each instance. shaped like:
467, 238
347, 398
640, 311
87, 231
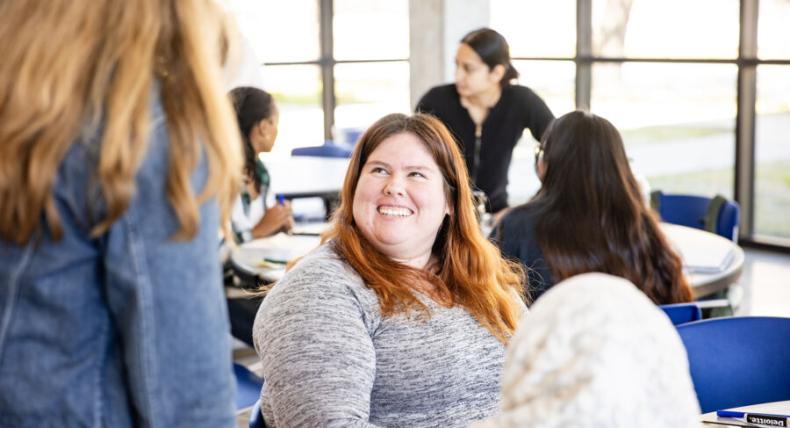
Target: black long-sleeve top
515, 236
518, 108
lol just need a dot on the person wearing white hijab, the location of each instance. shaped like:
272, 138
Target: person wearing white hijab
594, 351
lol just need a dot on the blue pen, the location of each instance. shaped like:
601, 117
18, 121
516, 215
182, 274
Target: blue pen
281, 199
730, 414
755, 418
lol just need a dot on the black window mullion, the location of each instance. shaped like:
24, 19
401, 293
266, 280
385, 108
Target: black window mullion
745, 119
583, 54
327, 62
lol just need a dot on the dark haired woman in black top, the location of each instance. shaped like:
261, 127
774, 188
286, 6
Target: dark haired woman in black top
258, 118
589, 216
486, 112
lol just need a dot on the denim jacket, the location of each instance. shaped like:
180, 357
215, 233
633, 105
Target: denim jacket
125, 329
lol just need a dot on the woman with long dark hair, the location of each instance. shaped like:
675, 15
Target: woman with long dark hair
487, 112
589, 216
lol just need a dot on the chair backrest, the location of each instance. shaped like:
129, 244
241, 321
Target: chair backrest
248, 386
330, 149
680, 313
717, 215
738, 361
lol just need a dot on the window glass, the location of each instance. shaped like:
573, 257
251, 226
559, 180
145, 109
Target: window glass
287, 32
665, 29
773, 40
371, 29
772, 171
677, 121
553, 81
297, 90
366, 92
535, 28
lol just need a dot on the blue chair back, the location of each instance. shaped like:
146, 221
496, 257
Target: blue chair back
680, 313
248, 386
738, 361
256, 417
350, 136
691, 210
330, 149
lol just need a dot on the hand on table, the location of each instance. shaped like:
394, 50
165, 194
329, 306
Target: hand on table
277, 218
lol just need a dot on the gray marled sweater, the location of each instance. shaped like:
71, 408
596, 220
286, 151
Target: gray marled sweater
330, 359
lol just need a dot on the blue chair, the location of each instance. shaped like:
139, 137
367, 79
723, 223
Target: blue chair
717, 215
256, 417
738, 361
680, 313
350, 136
329, 149
248, 386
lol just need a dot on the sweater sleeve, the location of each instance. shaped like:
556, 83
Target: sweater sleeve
538, 115
312, 333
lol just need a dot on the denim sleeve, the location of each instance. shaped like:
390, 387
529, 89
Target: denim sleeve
165, 297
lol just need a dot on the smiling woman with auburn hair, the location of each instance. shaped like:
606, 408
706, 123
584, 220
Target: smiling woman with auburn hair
401, 317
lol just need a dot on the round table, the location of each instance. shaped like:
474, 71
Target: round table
711, 262
266, 258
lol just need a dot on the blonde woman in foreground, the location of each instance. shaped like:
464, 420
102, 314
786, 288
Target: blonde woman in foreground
597, 353
118, 158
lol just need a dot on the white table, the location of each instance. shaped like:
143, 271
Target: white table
265, 258
303, 177
711, 262
778, 407
699, 250
306, 174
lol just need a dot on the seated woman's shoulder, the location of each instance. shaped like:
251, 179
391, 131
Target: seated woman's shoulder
525, 211
321, 270
442, 91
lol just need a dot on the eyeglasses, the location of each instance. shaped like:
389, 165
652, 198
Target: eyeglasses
538, 152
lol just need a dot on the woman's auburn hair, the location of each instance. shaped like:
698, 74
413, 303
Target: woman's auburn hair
73, 66
469, 271
591, 216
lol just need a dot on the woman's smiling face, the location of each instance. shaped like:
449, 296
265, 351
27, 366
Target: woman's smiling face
400, 203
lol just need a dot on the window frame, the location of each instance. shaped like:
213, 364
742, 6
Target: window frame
747, 62
327, 62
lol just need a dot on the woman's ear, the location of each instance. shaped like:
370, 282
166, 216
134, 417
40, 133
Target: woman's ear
498, 72
263, 128
263, 135
540, 169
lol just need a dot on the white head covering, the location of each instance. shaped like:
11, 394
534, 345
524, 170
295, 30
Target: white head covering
594, 351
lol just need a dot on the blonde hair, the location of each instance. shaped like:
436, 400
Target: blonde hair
74, 65
470, 270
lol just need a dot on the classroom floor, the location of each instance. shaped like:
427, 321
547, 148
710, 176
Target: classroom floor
766, 291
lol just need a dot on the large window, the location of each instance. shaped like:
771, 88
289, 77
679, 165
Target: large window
772, 171
698, 89
542, 38
677, 121
331, 65
772, 123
